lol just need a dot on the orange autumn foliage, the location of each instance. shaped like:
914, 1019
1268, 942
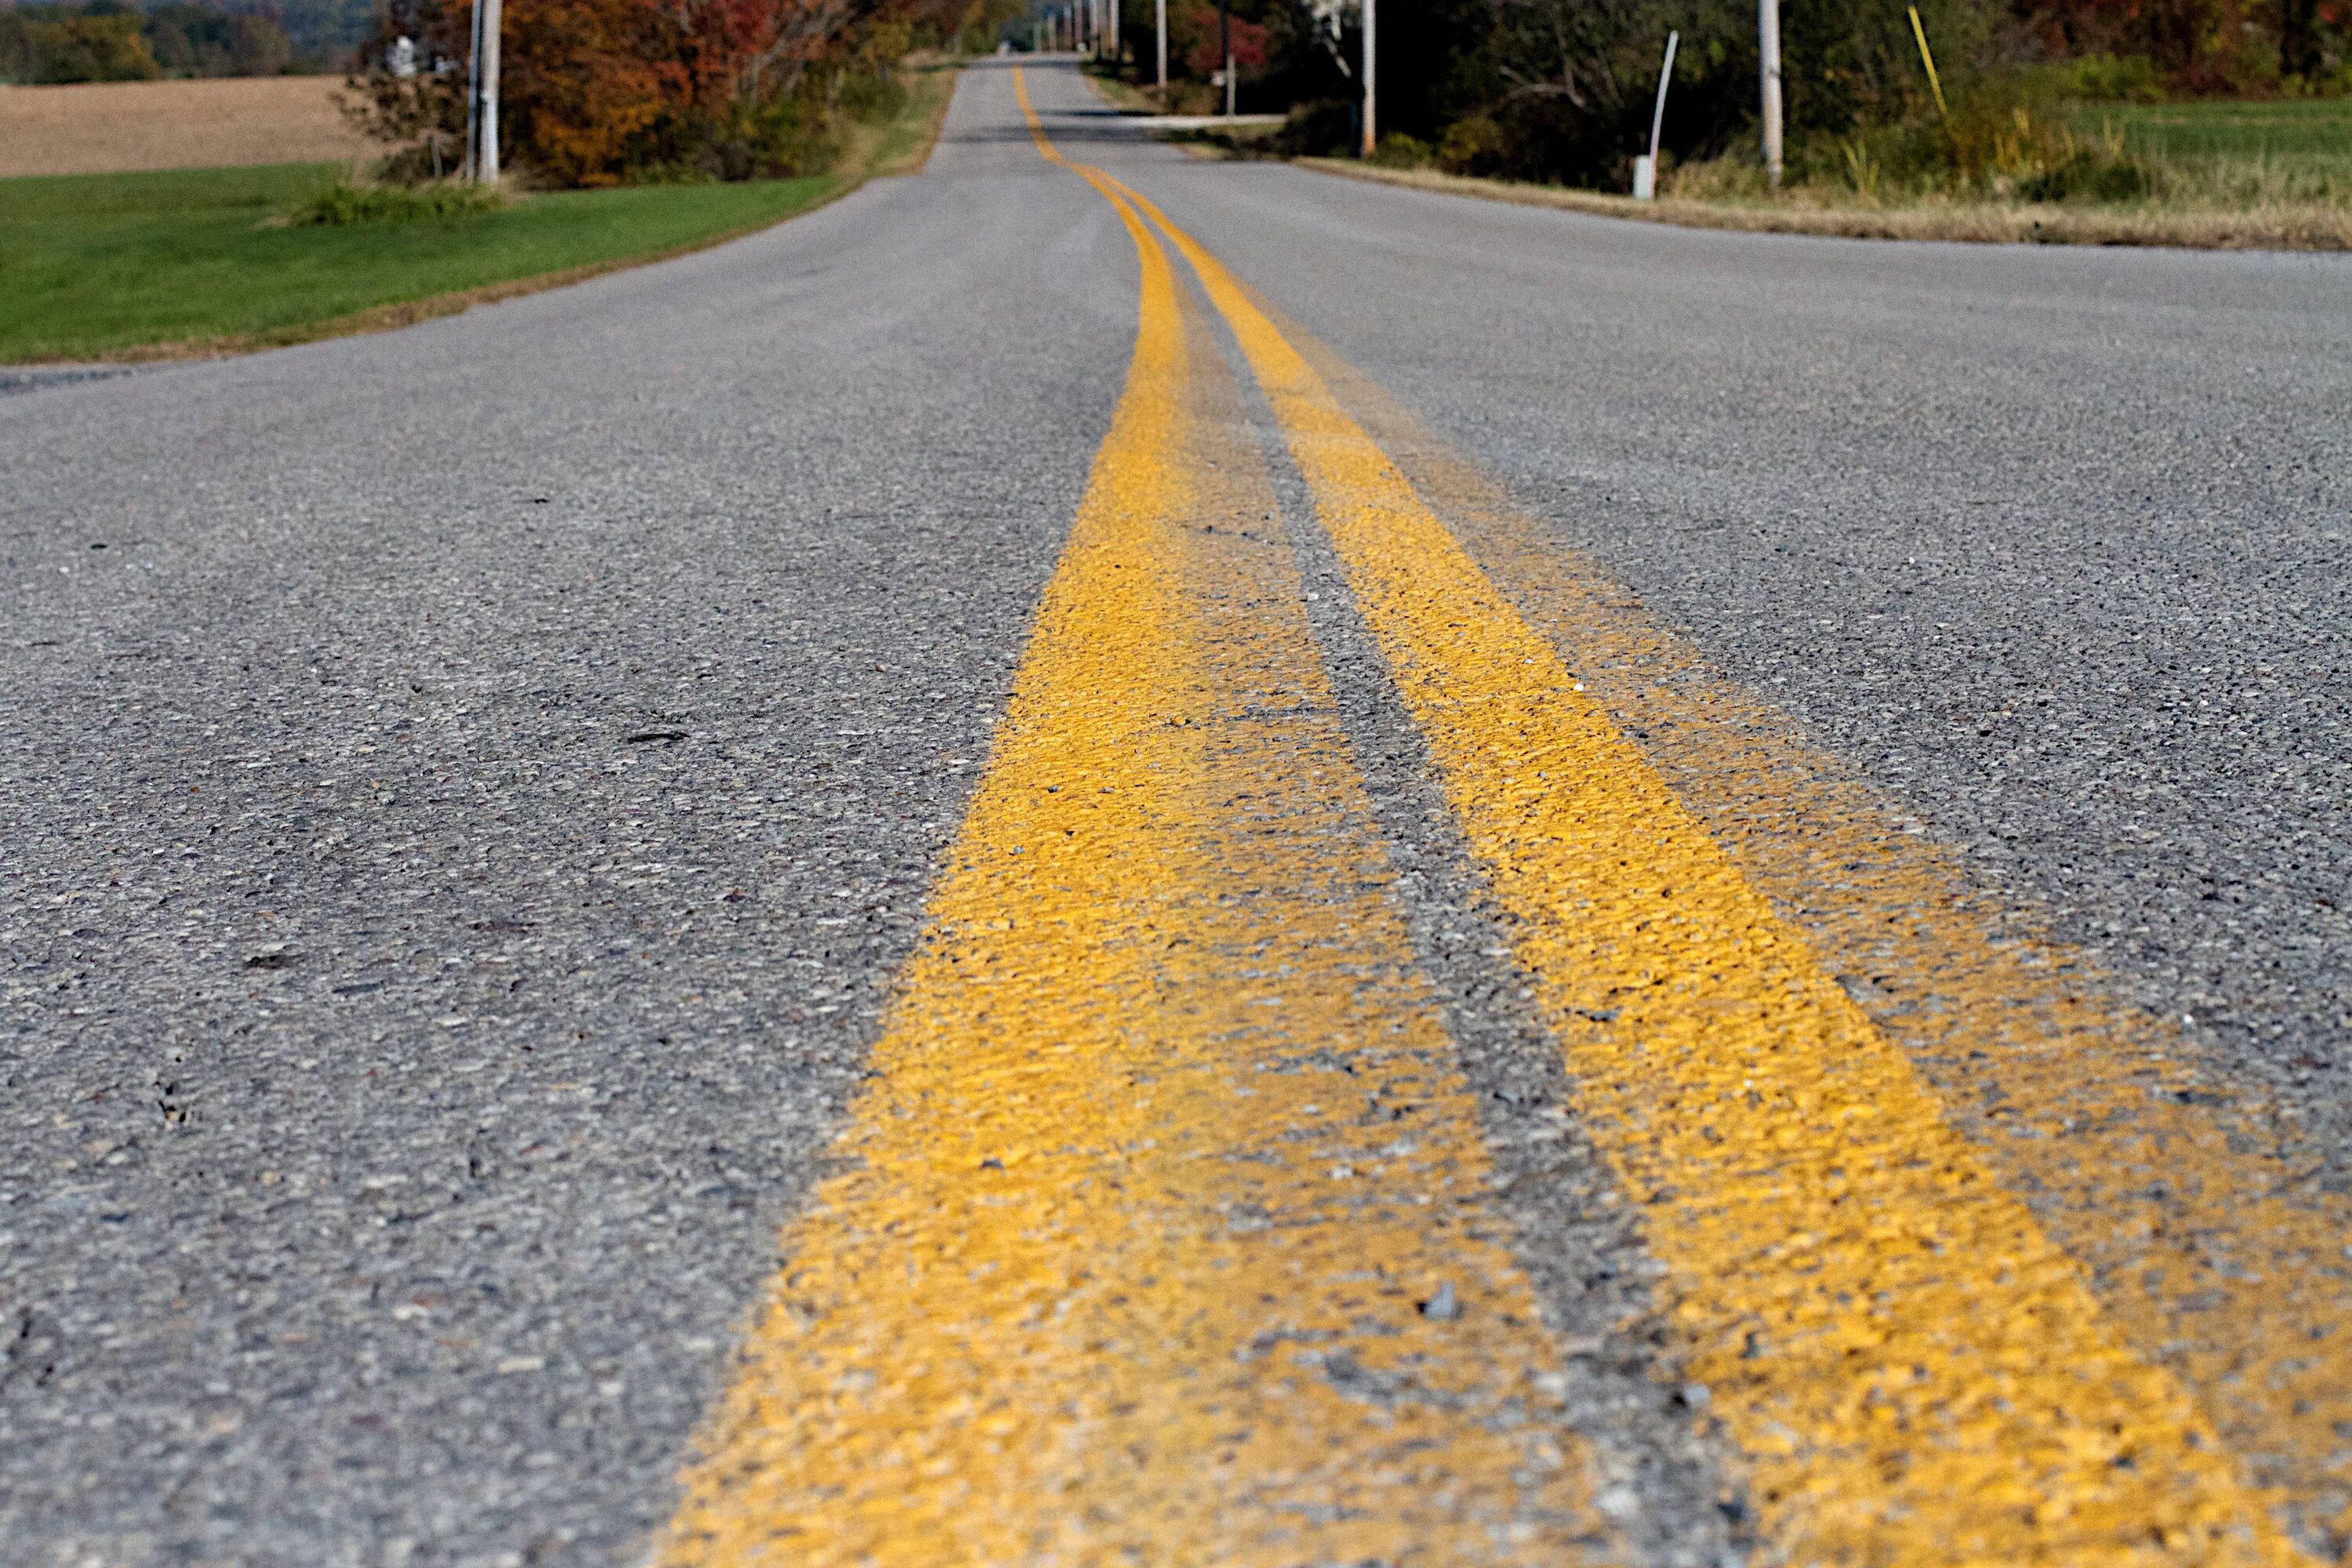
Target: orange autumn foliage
586, 79
595, 92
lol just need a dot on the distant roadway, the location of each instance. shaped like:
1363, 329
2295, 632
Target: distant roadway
1105, 858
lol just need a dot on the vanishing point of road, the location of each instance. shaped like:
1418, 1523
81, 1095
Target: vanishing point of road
1107, 859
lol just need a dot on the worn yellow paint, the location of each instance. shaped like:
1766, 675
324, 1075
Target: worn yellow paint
1913, 1371
2193, 1210
1165, 1148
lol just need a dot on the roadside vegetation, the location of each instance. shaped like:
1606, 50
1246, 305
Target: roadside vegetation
597, 93
2191, 122
184, 262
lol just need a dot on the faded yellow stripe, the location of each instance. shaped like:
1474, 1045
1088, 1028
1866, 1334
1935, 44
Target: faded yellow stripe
2202, 1231
1915, 1372
1166, 1149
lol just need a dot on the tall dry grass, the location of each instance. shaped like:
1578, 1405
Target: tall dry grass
1810, 210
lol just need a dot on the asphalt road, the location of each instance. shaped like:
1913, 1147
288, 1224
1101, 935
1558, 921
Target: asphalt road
466, 794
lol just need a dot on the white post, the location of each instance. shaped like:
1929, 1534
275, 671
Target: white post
1225, 48
1646, 170
1372, 134
1163, 20
1767, 47
482, 110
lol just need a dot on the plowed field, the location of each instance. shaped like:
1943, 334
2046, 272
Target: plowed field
95, 127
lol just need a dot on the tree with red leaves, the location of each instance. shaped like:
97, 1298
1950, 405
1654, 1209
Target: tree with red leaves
595, 92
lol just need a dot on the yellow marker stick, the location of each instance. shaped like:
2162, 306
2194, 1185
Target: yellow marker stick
1935, 83
1915, 1373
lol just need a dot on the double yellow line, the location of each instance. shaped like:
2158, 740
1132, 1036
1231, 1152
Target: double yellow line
1165, 1241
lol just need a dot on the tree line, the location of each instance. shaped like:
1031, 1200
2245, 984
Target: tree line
606, 92
1562, 89
107, 40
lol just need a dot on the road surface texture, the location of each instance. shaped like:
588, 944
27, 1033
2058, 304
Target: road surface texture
1104, 858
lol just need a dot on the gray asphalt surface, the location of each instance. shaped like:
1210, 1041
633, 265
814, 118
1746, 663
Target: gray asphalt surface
462, 790
2052, 541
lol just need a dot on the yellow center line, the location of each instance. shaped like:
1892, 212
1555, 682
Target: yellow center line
1162, 1241
2197, 1222
1913, 1371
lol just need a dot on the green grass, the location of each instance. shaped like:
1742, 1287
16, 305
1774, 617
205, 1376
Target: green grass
2307, 130
904, 141
96, 263
2289, 151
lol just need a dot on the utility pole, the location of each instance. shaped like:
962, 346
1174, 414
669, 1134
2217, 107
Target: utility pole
1372, 134
1163, 56
482, 96
1226, 48
1768, 49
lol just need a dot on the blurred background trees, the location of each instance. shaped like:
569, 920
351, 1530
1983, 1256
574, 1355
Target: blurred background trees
107, 40
1560, 90
604, 92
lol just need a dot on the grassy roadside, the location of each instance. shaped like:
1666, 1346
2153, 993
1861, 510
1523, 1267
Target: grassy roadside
2275, 226
185, 263
2240, 176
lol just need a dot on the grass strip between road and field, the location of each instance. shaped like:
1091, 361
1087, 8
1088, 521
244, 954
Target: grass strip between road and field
187, 264
2256, 228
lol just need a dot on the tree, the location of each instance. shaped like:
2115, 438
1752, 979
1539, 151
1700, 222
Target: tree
92, 48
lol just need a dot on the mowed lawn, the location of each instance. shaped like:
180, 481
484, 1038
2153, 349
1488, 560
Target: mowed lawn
90, 263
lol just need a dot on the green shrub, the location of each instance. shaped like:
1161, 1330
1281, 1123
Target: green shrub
2323, 84
2110, 79
2002, 128
1399, 150
2092, 177
344, 202
1474, 145
1323, 128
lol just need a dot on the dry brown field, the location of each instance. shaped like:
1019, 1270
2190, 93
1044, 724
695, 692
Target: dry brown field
95, 127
